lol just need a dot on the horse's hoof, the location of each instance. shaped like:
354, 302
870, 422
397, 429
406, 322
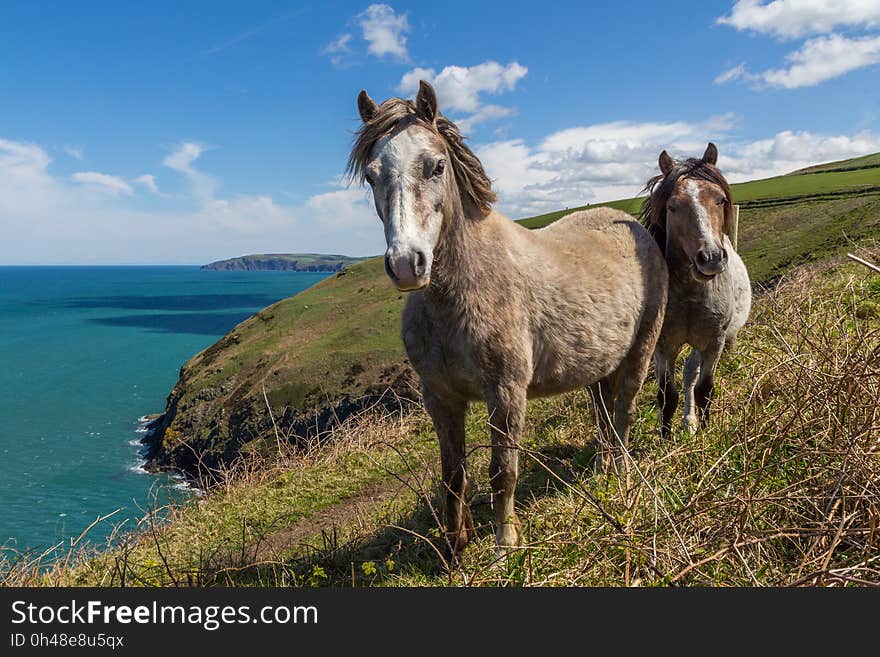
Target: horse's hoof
691, 425
507, 535
501, 552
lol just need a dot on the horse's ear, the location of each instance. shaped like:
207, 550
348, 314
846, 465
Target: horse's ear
426, 102
666, 163
366, 106
711, 154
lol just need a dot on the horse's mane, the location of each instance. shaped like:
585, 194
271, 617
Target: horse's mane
473, 183
660, 188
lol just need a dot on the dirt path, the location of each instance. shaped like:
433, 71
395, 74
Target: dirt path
351, 513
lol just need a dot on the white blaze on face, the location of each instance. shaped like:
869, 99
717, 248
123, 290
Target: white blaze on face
412, 224
692, 189
399, 156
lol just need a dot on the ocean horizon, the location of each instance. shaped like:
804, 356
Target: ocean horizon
87, 353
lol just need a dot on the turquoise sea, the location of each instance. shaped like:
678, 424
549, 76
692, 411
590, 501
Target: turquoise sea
84, 353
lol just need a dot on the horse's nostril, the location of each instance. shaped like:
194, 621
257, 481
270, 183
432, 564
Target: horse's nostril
388, 269
703, 257
420, 262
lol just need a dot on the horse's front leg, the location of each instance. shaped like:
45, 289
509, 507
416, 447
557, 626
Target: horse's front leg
448, 415
507, 411
705, 385
692, 369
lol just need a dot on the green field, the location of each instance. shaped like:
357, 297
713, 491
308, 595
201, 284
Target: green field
864, 162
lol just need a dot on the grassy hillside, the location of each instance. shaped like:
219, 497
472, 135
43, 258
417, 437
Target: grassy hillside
784, 488
333, 349
865, 162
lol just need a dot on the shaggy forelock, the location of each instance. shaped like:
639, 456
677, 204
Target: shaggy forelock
473, 183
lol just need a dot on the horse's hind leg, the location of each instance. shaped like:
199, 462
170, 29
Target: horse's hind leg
691, 372
448, 416
667, 392
630, 377
602, 395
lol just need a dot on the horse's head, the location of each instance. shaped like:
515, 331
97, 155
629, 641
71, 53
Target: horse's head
418, 167
692, 203
407, 172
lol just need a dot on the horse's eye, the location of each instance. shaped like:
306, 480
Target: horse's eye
439, 168
369, 178
670, 208
721, 201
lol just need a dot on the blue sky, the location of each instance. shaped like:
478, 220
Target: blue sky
185, 132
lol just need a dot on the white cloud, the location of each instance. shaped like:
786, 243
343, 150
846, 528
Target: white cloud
338, 48
103, 182
384, 31
339, 44
74, 151
182, 158
460, 89
790, 19
824, 58
586, 164
602, 162
24, 180
816, 61
736, 73
348, 208
789, 150
21, 160
149, 182
485, 113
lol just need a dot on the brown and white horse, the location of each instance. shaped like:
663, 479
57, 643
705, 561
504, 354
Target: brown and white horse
689, 211
497, 312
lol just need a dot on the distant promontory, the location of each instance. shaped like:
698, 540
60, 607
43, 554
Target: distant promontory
284, 262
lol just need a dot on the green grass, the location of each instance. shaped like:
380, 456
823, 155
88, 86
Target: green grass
807, 185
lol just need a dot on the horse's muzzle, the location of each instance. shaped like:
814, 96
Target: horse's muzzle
709, 264
408, 269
